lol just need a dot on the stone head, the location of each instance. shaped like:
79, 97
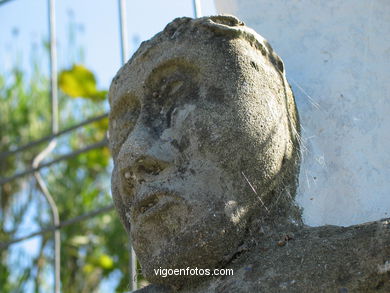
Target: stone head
204, 135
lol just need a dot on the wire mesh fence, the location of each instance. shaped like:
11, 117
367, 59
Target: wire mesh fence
51, 142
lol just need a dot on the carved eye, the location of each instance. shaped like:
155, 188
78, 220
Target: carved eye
172, 88
167, 97
123, 118
167, 90
170, 85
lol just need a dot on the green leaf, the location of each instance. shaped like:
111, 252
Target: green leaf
80, 82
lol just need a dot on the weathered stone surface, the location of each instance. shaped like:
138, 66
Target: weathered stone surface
323, 259
205, 139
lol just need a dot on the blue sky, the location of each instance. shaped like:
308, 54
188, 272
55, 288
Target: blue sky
23, 25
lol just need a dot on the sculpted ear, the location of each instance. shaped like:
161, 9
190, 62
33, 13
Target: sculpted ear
118, 202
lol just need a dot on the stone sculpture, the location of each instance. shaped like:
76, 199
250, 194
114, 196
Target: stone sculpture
204, 134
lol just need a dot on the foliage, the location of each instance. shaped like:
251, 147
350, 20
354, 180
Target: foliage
91, 251
27, 122
80, 82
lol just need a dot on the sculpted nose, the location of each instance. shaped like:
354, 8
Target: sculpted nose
138, 143
143, 169
142, 157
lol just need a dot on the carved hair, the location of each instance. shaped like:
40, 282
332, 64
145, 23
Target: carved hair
221, 25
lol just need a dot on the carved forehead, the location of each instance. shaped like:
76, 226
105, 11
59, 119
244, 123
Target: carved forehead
194, 39
190, 62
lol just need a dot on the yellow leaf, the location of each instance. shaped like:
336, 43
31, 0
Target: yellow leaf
106, 262
88, 268
80, 82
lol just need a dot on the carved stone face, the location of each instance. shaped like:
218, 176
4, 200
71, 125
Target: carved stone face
192, 121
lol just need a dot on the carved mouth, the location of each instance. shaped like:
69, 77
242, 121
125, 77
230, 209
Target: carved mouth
154, 203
